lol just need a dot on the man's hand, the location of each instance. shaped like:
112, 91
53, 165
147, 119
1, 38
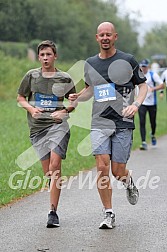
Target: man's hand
129, 111
73, 97
161, 96
73, 100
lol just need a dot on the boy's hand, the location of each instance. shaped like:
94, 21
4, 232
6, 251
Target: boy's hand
36, 112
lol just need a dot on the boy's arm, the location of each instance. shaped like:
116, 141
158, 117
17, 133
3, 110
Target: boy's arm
35, 112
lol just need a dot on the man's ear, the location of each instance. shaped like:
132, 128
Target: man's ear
116, 36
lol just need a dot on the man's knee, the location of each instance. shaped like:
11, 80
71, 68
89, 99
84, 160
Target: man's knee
119, 170
103, 170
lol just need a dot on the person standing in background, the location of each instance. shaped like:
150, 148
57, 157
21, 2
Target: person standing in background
154, 83
155, 67
164, 79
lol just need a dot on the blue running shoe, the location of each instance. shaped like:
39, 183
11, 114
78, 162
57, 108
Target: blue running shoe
153, 140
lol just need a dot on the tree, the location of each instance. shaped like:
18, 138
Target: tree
15, 20
71, 24
155, 41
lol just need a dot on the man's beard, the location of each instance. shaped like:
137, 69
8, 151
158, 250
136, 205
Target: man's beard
105, 48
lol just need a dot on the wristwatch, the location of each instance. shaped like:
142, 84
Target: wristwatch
137, 104
66, 109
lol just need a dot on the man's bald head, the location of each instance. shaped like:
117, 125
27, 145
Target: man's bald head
106, 25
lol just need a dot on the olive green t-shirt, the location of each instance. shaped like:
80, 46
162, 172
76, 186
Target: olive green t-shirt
47, 93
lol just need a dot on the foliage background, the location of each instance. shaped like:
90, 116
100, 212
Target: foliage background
71, 24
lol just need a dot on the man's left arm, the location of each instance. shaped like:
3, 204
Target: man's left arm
131, 110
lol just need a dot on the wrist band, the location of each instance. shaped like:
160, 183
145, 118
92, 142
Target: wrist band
137, 104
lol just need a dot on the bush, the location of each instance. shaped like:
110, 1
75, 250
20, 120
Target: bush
12, 71
14, 49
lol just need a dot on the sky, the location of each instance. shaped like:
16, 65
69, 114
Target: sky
149, 10
146, 12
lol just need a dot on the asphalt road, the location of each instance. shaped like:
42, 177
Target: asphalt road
139, 228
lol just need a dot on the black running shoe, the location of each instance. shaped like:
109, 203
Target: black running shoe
132, 193
53, 220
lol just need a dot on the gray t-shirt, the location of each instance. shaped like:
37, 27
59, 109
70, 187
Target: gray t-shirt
47, 93
113, 82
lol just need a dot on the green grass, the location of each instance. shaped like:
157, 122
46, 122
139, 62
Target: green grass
15, 140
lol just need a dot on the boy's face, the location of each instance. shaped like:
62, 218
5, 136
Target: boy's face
47, 57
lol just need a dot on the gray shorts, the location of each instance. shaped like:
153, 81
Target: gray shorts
55, 139
116, 143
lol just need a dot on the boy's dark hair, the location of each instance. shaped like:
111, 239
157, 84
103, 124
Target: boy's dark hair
46, 43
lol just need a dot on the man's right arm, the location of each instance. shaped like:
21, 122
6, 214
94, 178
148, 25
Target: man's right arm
84, 95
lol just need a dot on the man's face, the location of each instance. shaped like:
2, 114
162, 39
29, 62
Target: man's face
47, 57
144, 69
106, 36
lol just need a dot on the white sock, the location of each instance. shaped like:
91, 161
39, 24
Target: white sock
109, 210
